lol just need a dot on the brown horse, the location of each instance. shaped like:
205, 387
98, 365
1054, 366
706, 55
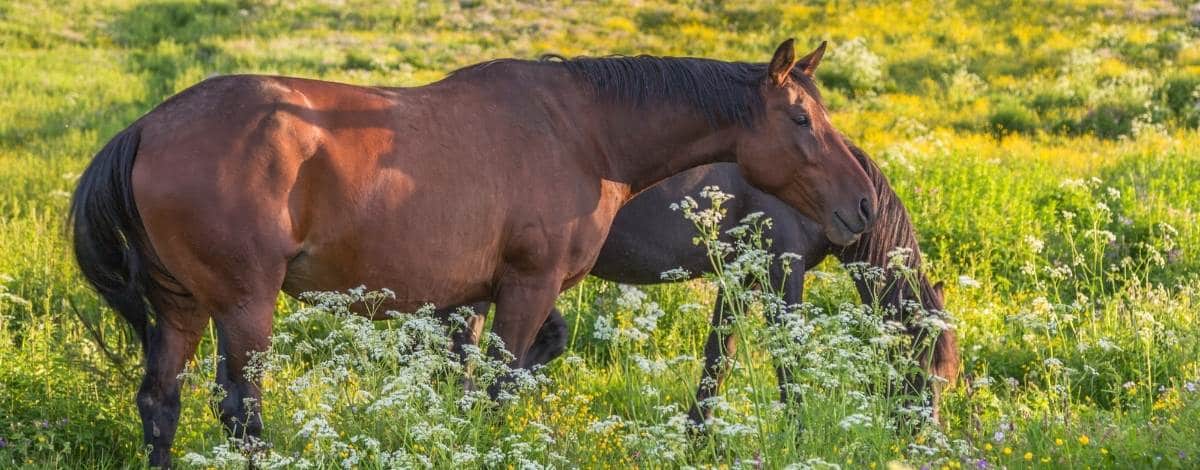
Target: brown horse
647, 239
497, 183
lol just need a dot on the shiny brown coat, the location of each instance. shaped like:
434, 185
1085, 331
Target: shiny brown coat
498, 183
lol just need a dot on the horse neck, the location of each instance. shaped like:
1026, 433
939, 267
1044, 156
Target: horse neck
893, 231
643, 146
637, 144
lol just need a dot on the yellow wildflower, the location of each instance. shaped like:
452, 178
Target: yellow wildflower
1084, 440
1029, 456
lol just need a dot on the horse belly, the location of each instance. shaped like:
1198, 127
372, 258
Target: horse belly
424, 247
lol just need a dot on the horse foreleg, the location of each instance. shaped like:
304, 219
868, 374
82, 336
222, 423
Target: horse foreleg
550, 342
468, 334
172, 342
522, 306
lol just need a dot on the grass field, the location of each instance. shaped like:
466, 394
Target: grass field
1048, 152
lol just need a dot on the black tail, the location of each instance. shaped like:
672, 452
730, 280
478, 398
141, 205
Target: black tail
110, 242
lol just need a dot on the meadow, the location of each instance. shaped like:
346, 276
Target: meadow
1048, 151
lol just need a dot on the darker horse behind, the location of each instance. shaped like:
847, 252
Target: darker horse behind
648, 239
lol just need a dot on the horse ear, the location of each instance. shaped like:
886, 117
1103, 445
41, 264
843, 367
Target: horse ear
938, 288
808, 64
782, 62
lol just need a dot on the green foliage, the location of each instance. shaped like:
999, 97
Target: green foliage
1110, 120
1071, 326
1181, 94
1011, 116
854, 69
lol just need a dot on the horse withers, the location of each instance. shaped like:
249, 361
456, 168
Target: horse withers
497, 183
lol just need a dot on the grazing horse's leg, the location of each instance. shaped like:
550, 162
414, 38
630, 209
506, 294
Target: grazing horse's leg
551, 340
793, 294
721, 345
171, 343
522, 306
939, 361
242, 332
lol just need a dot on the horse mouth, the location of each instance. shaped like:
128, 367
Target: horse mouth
846, 225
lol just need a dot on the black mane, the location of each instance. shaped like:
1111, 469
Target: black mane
725, 92
893, 230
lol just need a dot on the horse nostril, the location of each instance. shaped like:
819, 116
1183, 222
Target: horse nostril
864, 210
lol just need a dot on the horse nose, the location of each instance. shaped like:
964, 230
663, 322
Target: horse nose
866, 210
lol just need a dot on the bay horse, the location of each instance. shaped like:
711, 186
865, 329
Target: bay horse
647, 239
497, 183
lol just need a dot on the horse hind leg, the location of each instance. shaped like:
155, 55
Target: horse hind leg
243, 334
171, 343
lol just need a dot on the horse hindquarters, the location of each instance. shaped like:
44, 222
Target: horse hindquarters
222, 232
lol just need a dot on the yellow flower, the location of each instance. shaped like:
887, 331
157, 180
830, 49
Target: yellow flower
987, 446
1008, 451
1058, 442
1029, 456
1103, 451
1045, 459
1083, 440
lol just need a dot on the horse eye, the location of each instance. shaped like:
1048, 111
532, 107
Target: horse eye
801, 120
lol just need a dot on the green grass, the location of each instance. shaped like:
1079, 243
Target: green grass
990, 119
